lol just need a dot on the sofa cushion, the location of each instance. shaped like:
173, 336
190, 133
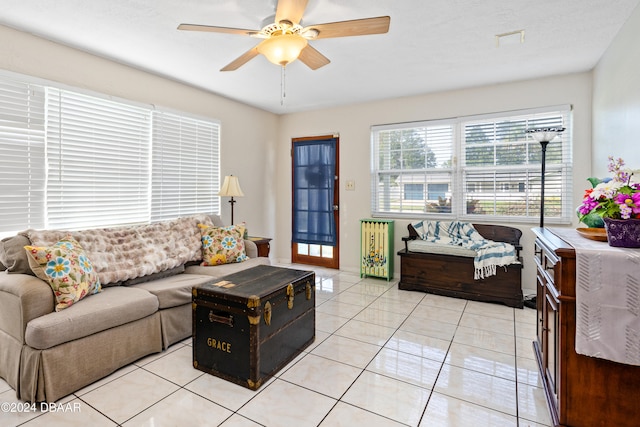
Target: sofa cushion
154, 276
222, 245
175, 290
13, 256
217, 271
66, 268
110, 308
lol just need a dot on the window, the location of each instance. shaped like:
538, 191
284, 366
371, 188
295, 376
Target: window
73, 160
22, 176
414, 191
474, 167
97, 161
185, 166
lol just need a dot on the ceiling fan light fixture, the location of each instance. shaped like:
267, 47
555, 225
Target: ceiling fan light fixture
282, 49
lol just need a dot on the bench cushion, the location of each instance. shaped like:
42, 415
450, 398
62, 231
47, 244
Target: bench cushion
110, 308
424, 246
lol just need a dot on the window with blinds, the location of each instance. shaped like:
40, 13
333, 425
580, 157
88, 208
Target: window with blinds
412, 164
22, 154
97, 161
185, 166
71, 160
473, 168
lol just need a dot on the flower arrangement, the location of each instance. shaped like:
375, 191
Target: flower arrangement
615, 198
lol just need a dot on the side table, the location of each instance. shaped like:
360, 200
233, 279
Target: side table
262, 243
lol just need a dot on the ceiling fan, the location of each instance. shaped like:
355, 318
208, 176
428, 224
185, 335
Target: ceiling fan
286, 40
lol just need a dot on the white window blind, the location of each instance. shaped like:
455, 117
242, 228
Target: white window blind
501, 168
411, 162
22, 170
98, 161
473, 168
186, 172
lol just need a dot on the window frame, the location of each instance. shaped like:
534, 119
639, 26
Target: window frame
559, 170
210, 177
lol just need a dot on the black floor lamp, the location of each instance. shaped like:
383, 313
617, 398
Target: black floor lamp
544, 136
231, 187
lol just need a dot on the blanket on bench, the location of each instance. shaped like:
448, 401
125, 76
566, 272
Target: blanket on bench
489, 254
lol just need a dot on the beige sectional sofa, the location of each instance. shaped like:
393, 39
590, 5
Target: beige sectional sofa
47, 354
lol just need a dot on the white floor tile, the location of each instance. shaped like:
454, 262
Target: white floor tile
366, 332
323, 375
388, 397
486, 339
346, 350
176, 366
482, 360
446, 411
345, 415
338, 309
300, 408
444, 302
478, 321
404, 307
224, 393
478, 388
498, 311
427, 312
380, 317
129, 395
406, 367
182, 408
430, 328
419, 345
237, 420
532, 404
329, 323
73, 413
4, 386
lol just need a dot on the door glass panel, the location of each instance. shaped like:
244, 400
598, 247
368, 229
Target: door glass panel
327, 252
314, 250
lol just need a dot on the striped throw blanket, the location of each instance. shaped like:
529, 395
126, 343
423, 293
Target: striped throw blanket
489, 254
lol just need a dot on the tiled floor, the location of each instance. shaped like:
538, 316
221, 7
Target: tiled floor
382, 357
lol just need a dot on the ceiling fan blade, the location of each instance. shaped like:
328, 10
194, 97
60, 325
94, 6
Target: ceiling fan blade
211, 29
291, 10
242, 59
312, 58
356, 27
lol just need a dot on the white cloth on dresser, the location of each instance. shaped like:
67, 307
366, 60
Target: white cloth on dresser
607, 299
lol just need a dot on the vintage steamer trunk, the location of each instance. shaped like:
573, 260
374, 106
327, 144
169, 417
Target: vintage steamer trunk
250, 324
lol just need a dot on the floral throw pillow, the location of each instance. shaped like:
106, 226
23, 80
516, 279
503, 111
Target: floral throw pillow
66, 268
222, 245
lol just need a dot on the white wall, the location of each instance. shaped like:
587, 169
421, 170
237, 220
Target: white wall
616, 100
353, 124
246, 151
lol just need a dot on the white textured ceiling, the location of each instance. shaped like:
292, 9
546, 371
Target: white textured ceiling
432, 45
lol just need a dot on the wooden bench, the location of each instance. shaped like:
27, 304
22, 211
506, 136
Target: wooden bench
452, 275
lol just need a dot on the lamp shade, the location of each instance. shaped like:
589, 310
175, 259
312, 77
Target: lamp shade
231, 187
545, 134
282, 49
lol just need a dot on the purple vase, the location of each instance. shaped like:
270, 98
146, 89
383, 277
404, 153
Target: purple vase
623, 233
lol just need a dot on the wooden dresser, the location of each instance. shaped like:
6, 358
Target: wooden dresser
580, 390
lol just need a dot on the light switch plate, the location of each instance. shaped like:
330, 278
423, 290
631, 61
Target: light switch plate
350, 185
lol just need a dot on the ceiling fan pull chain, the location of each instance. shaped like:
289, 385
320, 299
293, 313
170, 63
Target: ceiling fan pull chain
283, 92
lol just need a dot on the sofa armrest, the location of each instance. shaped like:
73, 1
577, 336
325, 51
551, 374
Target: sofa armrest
22, 298
250, 248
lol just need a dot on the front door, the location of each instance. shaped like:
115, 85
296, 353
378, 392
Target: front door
315, 201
